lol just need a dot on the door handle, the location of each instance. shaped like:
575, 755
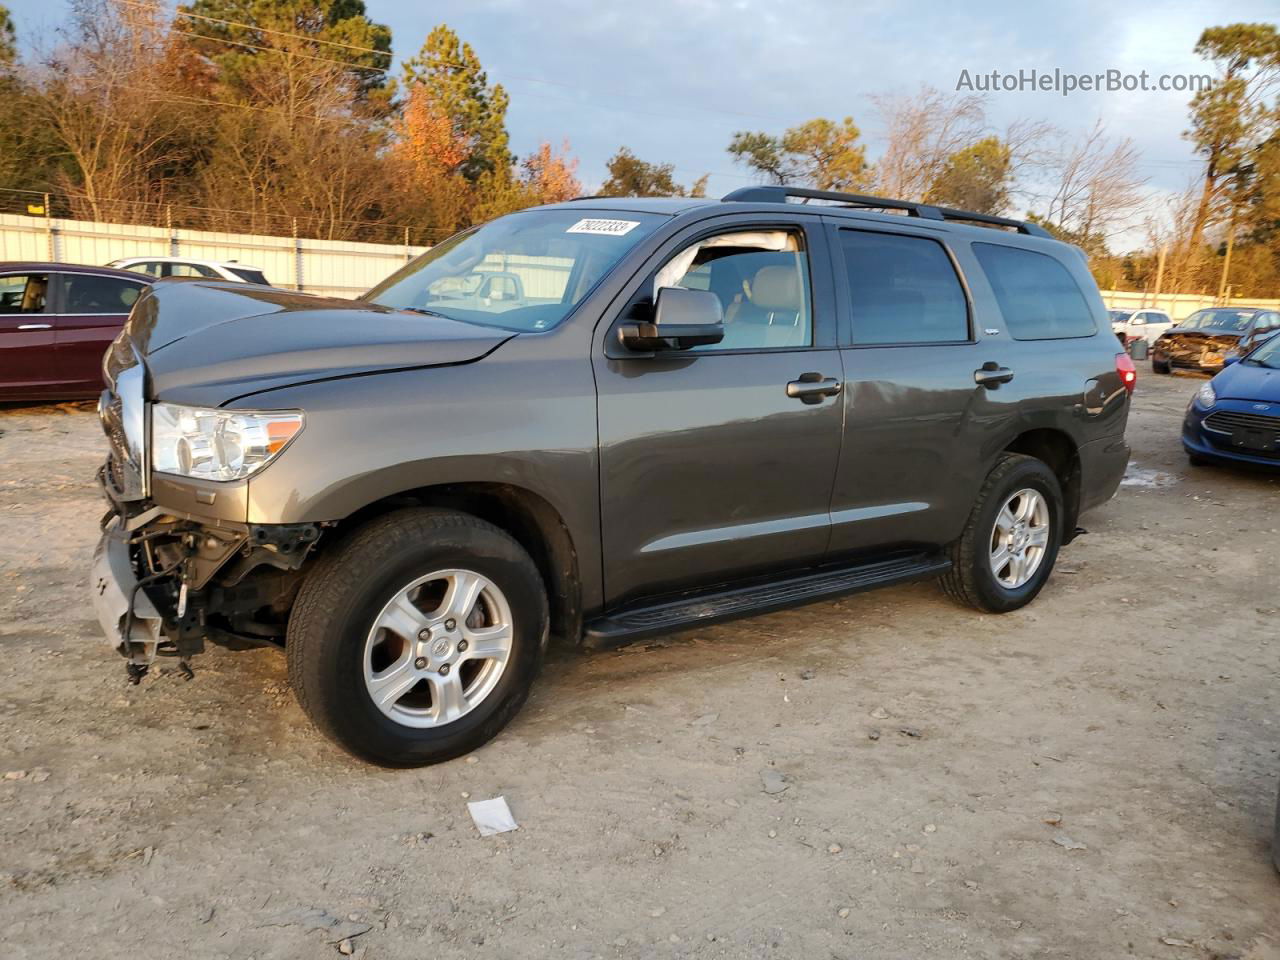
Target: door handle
812, 387
35, 326
991, 375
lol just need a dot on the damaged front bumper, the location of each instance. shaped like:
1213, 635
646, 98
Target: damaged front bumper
130, 621
165, 582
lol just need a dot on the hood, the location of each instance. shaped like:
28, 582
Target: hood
1245, 381
1199, 339
216, 341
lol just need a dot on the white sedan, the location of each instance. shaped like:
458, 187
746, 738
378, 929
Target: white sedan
160, 267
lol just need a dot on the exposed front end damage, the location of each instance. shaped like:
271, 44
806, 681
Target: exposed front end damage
163, 585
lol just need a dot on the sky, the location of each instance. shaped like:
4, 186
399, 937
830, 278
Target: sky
674, 79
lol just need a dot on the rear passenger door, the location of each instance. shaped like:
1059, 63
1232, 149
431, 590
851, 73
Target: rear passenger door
91, 309
915, 417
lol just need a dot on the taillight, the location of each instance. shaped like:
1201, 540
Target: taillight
1128, 372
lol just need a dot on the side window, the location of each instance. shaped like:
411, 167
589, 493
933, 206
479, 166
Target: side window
1037, 295
189, 270
150, 268
23, 293
88, 294
761, 278
902, 289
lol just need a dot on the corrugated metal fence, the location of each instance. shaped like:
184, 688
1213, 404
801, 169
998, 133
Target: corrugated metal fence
1177, 305
331, 267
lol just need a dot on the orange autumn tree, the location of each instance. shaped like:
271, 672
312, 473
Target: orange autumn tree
428, 152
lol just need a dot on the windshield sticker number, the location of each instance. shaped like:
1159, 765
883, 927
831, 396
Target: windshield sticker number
608, 228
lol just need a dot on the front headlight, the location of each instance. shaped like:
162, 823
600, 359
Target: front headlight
1206, 396
212, 444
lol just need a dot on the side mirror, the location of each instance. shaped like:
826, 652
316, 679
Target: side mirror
1139, 322
681, 319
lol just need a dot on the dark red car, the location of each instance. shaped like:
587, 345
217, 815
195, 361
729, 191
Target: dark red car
56, 321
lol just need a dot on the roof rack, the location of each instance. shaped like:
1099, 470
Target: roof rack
775, 194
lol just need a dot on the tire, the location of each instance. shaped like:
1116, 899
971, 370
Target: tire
1196, 460
1158, 367
331, 643
971, 580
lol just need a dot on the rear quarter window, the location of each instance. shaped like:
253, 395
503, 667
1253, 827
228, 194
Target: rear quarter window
1038, 297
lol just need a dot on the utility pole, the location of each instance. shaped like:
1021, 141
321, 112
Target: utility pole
1164, 250
1226, 261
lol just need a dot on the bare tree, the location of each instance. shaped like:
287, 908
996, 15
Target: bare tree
107, 94
923, 132
1097, 190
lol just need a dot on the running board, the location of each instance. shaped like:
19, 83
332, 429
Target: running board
626, 625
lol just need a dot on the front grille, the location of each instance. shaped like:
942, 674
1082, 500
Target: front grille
1229, 421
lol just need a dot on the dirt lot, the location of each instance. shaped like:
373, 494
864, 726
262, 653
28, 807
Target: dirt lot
928, 754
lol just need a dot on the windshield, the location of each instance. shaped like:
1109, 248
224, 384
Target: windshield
1223, 318
1267, 355
1120, 316
522, 272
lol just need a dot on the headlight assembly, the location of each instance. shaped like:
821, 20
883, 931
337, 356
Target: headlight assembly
1206, 396
215, 444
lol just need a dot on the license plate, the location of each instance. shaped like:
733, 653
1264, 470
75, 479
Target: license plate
1262, 440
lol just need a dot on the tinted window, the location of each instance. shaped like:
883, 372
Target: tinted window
761, 278
1037, 295
189, 270
250, 276
151, 268
85, 293
902, 290
23, 293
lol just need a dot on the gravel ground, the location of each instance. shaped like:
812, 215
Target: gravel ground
1093, 776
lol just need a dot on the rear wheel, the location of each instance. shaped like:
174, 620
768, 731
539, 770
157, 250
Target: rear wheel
417, 638
1011, 541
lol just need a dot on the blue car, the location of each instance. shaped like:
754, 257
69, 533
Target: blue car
1236, 415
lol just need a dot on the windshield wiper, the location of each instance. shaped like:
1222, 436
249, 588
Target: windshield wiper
426, 313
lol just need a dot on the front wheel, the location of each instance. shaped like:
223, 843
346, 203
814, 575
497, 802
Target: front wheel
1158, 367
1011, 541
417, 638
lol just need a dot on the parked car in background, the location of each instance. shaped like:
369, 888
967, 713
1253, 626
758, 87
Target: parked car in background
160, 267
603, 420
56, 320
1130, 325
1236, 415
1208, 337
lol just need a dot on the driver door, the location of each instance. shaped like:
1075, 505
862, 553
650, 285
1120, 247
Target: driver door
709, 470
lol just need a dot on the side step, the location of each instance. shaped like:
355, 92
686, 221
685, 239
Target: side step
635, 623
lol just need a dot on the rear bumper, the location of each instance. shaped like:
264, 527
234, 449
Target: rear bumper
1102, 466
130, 622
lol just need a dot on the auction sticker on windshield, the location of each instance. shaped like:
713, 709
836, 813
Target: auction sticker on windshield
611, 228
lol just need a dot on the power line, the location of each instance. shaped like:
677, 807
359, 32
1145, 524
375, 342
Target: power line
234, 23
159, 205
287, 53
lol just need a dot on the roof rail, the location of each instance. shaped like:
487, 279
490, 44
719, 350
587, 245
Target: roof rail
778, 194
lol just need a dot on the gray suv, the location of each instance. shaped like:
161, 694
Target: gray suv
599, 420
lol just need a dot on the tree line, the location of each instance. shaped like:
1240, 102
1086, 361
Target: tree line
265, 116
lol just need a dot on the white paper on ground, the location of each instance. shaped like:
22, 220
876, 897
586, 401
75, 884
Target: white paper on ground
492, 816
